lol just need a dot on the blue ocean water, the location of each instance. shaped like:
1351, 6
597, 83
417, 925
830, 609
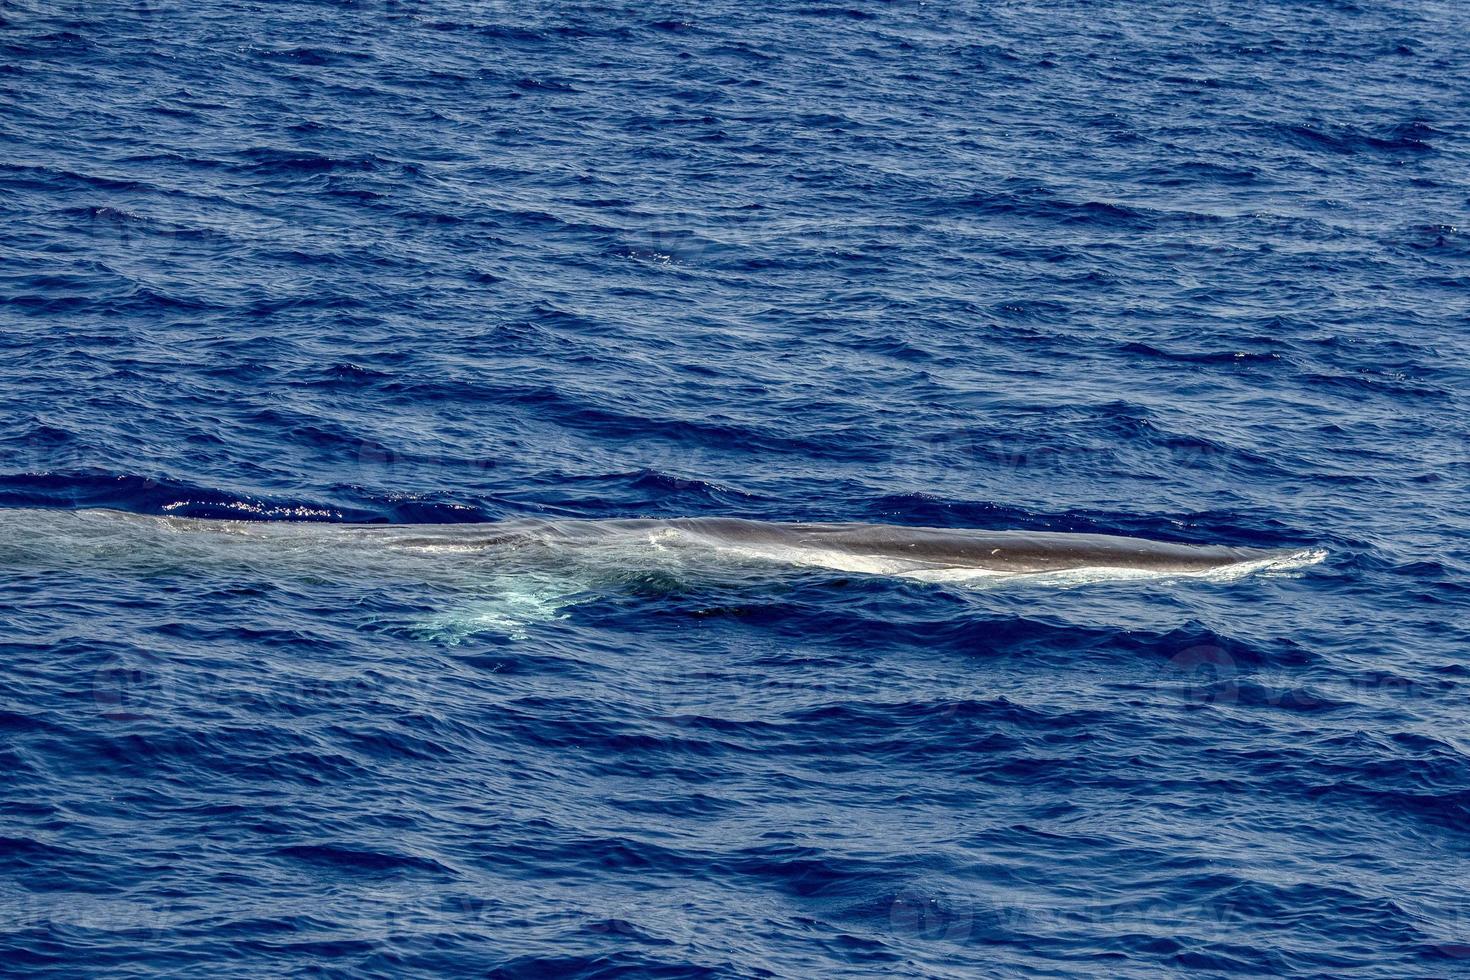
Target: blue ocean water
1191, 271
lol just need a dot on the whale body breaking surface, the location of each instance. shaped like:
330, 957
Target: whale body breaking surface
504, 577
924, 553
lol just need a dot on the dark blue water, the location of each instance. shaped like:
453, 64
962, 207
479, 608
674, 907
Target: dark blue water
1192, 271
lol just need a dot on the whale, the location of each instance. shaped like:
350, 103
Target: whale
506, 576
883, 549
924, 553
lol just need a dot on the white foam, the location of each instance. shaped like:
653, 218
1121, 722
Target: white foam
514, 603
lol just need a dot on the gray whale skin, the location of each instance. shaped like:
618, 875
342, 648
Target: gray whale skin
905, 548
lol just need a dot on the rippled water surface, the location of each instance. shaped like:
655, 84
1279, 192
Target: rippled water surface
1189, 271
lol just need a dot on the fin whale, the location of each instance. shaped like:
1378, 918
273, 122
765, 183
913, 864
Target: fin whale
936, 554
1014, 552
880, 548
502, 577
